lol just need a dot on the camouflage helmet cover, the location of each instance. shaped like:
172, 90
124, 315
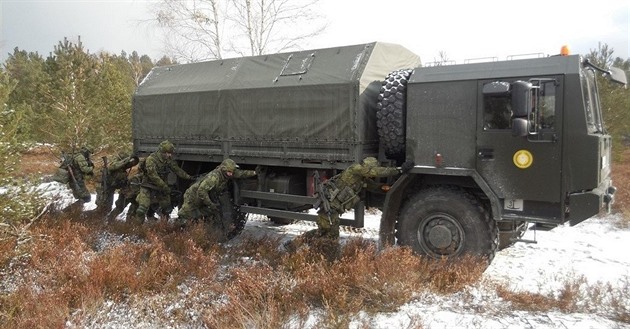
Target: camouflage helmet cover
370, 162
87, 148
228, 165
166, 147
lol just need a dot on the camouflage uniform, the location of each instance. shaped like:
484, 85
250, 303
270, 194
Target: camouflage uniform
157, 167
116, 178
343, 194
201, 199
79, 165
127, 195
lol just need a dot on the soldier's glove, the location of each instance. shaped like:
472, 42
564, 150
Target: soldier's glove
406, 166
165, 189
212, 207
259, 169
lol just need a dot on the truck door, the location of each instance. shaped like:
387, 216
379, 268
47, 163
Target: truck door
523, 171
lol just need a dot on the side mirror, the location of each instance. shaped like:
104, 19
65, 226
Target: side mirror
521, 98
520, 127
496, 88
617, 75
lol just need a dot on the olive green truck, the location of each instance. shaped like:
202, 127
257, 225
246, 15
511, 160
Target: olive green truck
496, 145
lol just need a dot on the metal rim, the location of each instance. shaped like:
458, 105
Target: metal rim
441, 234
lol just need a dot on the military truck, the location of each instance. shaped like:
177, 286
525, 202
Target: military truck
496, 145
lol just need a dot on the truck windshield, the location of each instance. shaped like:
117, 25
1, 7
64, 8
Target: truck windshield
591, 102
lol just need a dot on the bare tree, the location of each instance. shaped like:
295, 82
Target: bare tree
192, 28
207, 29
602, 56
274, 25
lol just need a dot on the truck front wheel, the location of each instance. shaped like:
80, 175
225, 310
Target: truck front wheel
447, 222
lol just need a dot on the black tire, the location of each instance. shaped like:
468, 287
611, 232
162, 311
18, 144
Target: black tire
446, 221
233, 219
391, 112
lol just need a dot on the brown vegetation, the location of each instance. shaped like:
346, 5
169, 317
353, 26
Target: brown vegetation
73, 265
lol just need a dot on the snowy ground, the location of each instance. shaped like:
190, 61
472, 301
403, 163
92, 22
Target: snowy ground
593, 249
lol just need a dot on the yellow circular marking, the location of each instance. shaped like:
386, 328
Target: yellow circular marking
523, 159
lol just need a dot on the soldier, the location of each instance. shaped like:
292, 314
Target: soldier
201, 199
114, 177
154, 181
78, 165
342, 193
127, 196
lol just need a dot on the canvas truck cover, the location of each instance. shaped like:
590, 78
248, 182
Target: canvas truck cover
305, 106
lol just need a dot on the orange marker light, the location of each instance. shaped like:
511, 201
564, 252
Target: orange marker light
564, 51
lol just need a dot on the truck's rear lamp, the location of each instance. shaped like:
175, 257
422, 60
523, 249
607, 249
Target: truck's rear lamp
385, 188
438, 159
564, 51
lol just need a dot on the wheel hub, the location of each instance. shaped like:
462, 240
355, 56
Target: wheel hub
441, 235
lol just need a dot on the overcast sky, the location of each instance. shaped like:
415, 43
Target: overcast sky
461, 29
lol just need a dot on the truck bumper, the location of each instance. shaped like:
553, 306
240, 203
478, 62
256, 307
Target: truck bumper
584, 205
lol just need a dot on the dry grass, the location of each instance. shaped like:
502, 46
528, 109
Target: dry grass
68, 270
65, 271
576, 296
37, 161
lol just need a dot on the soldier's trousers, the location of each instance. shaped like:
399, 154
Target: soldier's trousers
79, 190
121, 203
147, 196
104, 199
326, 227
190, 211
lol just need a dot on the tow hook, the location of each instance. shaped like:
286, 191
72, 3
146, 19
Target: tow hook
609, 197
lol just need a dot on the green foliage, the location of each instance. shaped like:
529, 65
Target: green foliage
26, 99
69, 99
71, 105
17, 202
74, 97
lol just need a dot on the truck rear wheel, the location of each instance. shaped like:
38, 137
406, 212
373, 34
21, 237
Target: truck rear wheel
447, 222
391, 112
233, 220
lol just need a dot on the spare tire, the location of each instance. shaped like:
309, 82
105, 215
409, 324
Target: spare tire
391, 113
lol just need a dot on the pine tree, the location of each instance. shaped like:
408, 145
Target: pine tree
72, 72
27, 69
615, 101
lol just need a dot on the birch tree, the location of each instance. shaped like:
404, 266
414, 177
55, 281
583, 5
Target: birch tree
213, 29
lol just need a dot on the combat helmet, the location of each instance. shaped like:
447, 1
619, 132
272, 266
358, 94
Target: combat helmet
166, 147
87, 149
228, 165
370, 162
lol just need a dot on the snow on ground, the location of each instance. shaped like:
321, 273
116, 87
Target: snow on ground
594, 249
